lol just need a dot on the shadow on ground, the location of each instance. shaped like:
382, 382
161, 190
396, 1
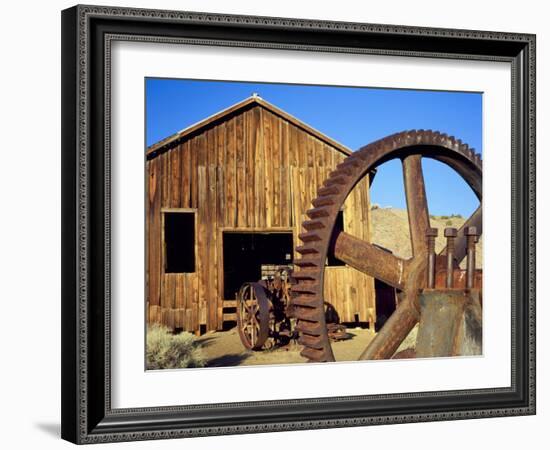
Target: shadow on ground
234, 359
206, 341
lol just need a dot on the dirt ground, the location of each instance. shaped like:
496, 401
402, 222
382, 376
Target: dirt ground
224, 349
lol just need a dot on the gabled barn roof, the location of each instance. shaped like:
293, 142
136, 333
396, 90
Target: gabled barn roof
247, 103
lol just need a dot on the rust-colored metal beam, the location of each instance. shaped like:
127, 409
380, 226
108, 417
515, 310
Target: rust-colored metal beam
459, 279
370, 259
417, 205
394, 331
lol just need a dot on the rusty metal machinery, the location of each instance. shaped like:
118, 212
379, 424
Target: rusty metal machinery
264, 312
423, 281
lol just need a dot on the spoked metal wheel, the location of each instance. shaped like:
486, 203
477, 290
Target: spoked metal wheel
407, 276
253, 315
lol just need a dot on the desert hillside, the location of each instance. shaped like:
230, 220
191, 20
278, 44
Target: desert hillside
390, 229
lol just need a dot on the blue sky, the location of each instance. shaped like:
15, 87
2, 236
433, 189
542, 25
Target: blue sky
352, 116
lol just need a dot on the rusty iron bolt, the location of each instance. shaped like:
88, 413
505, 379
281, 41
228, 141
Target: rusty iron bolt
431, 234
471, 231
451, 232
471, 239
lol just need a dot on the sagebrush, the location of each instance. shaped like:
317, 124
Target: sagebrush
172, 351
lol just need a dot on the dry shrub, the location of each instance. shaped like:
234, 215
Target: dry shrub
172, 351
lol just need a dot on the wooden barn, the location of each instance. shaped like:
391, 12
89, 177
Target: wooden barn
225, 198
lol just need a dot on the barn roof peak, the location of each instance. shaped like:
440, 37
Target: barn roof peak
254, 98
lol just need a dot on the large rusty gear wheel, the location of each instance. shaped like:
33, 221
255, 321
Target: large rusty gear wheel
407, 276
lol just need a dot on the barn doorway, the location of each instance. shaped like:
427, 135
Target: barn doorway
244, 254
385, 302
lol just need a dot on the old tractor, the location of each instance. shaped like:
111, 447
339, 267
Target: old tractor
433, 290
264, 311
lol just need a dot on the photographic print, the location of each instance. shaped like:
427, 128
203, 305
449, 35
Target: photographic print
287, 199
301, 223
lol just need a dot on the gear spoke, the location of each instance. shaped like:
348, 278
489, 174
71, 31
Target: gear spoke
394, 331
417, 205
370, 259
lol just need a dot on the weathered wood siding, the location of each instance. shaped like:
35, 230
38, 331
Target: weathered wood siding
252, 171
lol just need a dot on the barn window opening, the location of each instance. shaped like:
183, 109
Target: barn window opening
251, 256
333, 261
179, 242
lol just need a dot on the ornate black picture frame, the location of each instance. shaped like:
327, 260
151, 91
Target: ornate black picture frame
87, 33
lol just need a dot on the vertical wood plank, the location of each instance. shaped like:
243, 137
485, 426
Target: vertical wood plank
259, 191
165, 178
202, 262
154, 267
195, 322
293, 146
221, 179
286, 203
213, 298
175, 177
180, 281
268, 167
185, 175
230, 166
295, 211
251, 127
240, 160
194, 176
276, 169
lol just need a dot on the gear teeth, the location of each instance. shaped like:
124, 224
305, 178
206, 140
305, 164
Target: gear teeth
305, 313
315, 213
458, 144
327, 190
336, 178
311, 342
305, 288
344, 171
326, 200
307, 262
314, 355
313, 328
348, 164
308, 301
306, 250
309, 237
306, 274
316, 224
410, 137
